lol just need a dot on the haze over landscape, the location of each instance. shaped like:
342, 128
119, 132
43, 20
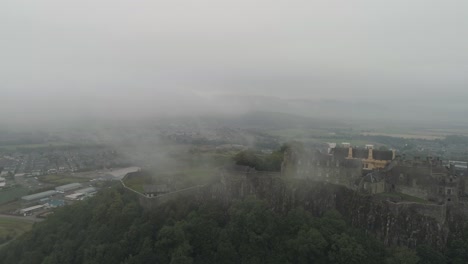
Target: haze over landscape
213, 131
109, 59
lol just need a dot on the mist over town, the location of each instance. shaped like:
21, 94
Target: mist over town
233, 131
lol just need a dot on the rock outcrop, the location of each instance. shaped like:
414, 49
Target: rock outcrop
404, 223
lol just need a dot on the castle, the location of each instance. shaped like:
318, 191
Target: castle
380, 171
342, 179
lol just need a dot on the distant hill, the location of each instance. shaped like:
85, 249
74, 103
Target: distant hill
275, 120
386, 108
255, 120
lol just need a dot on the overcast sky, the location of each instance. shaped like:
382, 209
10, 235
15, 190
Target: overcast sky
102, 57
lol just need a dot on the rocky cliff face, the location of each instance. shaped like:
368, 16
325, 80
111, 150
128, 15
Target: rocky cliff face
408, 224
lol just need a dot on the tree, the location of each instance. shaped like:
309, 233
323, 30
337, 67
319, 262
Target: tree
344, 249
428, 255
225, 251
307, 247
402, 255
260, 161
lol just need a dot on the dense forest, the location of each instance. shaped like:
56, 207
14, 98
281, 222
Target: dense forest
113, 228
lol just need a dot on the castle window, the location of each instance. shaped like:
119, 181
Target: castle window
449, 191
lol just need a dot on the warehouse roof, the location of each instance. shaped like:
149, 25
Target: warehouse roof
74, 196
32, 208
38, 195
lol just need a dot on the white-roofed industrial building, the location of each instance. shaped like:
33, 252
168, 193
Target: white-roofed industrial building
82, 193
75, 196
68, 187
38, 196
29, 210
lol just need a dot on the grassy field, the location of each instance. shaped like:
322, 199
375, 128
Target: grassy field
448, 131
11, 194
12, 228
318, 136
60, 179
185, 177
407, 136
136, 183
10, 207
400, 131
201, 175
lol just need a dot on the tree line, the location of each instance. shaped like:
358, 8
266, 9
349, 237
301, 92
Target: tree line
261, 161
113, 228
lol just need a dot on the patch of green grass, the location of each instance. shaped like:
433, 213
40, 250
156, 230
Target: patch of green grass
136, 183
201, 175
182, 177
11, 194
403, 197
217, 159
12, 228
10, 207
318, 136
57, 179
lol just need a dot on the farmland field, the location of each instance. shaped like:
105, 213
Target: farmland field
416, 136
60, 179
11, 194
12, 228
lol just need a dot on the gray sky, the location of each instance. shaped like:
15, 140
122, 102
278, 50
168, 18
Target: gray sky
111, 57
